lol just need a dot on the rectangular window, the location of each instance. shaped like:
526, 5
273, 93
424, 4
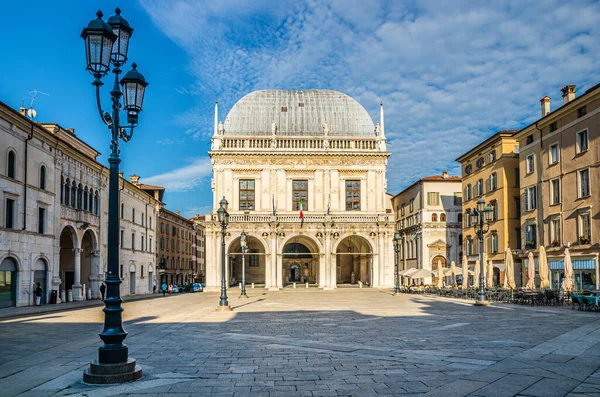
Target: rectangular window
133, 241
41, 220
299, 194
585, 231
555, 191
142, 243
517, 177
433, 198
10, 214
284, 109
555, 231
122, 238
150, 246
494, 243
411, 205
352, 195
530, 164
553, 154
162, 243
530, 236
402, 210
246, 194
553, 127
174, 230
518, 239
582, 141
494, 205
122, 271
162, 227
142, 219
530, 198
517, 207
458, 198
582, 111
529, 139
584, 183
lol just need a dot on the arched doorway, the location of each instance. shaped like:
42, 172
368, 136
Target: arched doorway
435, 262
88, 262
8, 282
300, 261
354, 261
66, 260
255, 264
39, 276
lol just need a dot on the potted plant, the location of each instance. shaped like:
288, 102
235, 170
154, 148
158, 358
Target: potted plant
556, 243
530, 244
584, 240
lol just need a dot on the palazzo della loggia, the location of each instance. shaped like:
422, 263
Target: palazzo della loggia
304, 173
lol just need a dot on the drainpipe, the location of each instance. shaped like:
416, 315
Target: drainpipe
29, 137
541, 178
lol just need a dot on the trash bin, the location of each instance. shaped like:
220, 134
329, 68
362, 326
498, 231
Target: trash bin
54, 296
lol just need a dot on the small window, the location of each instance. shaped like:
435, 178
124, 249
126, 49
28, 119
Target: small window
411, 205
121, 271
43, 177
585, 230
460, 218
133, 215
479, 163
133, 241
584, 183
457, 198
122, 238
582, 141
468, 169
41, 220
122, 210
9, 222
492, 156
553, 154
530, 198
299, 195
142, 219
11, 166
433, 217
530, 236
529, 139
469, 192
284, 108
442, 217
555, 231
553, 127
555, 191
493, 183
150, 245
582, 111
247, 194
433, 198
352, 195
493, 243
530, 164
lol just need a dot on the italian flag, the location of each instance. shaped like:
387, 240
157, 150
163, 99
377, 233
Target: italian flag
301, 208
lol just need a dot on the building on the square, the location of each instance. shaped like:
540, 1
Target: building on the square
490, 171
428, 216
200, 247
54, 196
280, 154
176, 254
558, 162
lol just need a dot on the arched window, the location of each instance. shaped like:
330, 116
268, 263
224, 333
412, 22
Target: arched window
443, 218
96, 203
122, 210
433, 217
79, 197
142, 219
43, 177
85, 198
73, 202
11, 166
67, 192
460, 218
133, 215
62, 189
172, 263
91, 202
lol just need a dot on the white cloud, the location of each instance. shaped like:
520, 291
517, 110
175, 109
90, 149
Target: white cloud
450, 73
185, 178
191, 212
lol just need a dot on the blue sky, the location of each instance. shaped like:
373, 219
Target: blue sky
449, 73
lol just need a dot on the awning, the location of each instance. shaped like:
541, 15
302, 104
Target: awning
557, 265
585, 264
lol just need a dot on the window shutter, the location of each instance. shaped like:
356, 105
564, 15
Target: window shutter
525, 200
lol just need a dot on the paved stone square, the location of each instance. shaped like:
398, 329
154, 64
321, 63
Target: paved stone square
308, 342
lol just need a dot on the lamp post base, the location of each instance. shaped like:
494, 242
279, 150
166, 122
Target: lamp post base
482, 303
106, 374
243, 297
223, 308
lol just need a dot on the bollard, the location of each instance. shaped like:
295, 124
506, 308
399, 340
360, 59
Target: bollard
294, 285
70, 295
306, 285
63, 296
240, 285
252, 285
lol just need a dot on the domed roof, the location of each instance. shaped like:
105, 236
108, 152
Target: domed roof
298, 113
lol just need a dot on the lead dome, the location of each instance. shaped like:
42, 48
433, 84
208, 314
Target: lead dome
299, 113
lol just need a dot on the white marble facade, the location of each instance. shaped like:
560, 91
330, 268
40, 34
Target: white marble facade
276, 147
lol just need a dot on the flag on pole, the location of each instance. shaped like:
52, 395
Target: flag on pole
329, 205
274, 209
301, 210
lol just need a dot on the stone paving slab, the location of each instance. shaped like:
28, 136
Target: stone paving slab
347, 342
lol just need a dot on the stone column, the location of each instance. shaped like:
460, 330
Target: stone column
322, 272
77, 288
378, 271
270, 268
279, 270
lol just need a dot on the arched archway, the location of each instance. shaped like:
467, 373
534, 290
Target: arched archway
300, 261
68, 252
90, 263
9, 271
434, 266
255, 264
354, 261
40, 273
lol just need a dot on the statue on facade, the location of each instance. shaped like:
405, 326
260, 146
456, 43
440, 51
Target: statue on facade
377, 130
352, 278
273, 127
325, 129
220, 128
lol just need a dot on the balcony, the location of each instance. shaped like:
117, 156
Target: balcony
309, 218
79, 216
297, 143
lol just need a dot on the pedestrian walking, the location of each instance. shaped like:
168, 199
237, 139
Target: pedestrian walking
38, 294
102, 290
163, 287
170, 288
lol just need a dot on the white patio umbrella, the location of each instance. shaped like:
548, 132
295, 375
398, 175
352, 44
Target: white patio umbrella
440, 274
509, 273
490, 275
465, 272
477, 274
567, 283
543, 268
422, 273
407, 272
530, 272
453, 272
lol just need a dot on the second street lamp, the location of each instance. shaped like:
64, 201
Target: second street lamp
244, 249
483, 218
397, 240
223, 217
106, 44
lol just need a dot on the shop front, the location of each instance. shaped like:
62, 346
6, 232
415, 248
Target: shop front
584, 270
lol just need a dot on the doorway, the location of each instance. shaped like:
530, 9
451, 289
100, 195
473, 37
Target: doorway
132, 283
39, 276
294, 272
8, 282
150, 282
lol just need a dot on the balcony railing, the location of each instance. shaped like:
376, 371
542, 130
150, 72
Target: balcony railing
77, 215
299, 143
308, 218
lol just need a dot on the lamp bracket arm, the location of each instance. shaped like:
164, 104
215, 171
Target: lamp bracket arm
124, 135
105, 116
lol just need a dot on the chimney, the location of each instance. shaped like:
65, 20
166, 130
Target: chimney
568, 93
545, 101
445, 174
23, 111
71, 130
177, 212
135, 179
121, 174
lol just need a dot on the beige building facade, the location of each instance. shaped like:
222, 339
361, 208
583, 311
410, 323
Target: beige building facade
558, 161
428, 216
278, 152
490, 171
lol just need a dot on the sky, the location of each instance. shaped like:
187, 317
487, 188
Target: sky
450, 73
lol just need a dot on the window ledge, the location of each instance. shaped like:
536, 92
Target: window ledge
581, 153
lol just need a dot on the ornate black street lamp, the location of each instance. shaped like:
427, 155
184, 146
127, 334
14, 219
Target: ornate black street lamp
106, 44
223, 217
482, 226
397, 241
244, 249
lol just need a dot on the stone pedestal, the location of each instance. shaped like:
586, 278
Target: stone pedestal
77, 293
482, 303
223, 309
104, 374
63, 296
70, 295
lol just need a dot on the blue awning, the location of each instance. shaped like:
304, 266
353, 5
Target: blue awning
585, 264
557, 265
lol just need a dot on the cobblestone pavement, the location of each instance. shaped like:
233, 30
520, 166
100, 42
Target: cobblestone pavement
299, 342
